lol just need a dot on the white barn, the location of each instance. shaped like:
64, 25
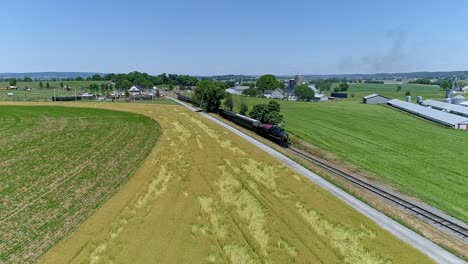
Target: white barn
237, 90
375, 99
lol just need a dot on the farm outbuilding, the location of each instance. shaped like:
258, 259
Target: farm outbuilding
452, 108
375, 99
443, 118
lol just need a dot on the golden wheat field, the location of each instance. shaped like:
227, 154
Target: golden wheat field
204, 195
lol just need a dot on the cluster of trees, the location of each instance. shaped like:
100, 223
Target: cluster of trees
423, 81
265, 82
12, 81
342, 87
125, 81
374, 81
42, 85
209, 94
324, 84
267, 113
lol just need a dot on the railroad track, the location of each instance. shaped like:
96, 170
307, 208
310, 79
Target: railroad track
436, 219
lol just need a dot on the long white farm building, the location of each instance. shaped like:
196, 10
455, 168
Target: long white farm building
443, 118
452, 108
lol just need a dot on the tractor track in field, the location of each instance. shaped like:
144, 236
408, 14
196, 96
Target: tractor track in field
437, 220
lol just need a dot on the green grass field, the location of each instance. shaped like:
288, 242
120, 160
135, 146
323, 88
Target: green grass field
44, 94
416, 156
58, 165
360, 90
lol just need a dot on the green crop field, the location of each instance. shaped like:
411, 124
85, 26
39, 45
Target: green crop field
58, 165
416, 156
360, 90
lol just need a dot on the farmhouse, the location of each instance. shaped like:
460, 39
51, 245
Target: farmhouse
375, 99
274, 94
237, 89
12, 87
135, 89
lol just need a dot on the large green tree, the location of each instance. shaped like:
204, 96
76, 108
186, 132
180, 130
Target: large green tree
343, 86
445, 84
268, 82
304, 93
12, 81
267, 114
209, 94
27, 79
252, 92
324, 85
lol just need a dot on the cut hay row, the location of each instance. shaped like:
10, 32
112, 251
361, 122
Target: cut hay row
205, 195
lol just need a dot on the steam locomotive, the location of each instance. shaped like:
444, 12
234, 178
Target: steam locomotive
271, 132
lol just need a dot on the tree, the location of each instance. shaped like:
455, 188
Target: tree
258, 112
209, 94
158, 94
445, 84
274, 106
250, 84
47, 85
407, 93
61, 85
79, 78
324, 85
230, 83
252, 92
268, 82
228, 103
273, 117
96, 77
41, 85
304, 93
267, 114
398, 88
27, 79
12, 81
243, 108
343, 86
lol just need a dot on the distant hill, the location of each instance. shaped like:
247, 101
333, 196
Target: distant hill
48, 75
401, 75
376, 76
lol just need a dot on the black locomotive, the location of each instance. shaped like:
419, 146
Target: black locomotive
271, 132
184, 98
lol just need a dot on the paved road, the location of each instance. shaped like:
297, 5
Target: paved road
435, 252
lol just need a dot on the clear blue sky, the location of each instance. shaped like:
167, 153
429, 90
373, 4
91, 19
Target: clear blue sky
240, 37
